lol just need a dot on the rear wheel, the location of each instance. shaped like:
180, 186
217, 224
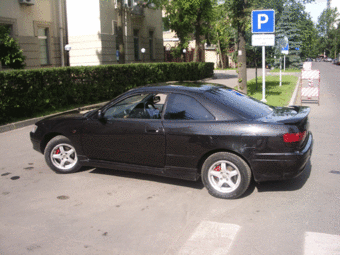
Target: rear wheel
61, 156
226, 175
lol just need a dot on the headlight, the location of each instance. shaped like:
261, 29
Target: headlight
34, 128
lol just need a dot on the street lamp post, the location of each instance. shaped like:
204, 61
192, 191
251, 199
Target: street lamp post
184, 51
143, 52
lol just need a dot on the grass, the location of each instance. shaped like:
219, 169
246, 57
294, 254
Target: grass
275, 95
290, 70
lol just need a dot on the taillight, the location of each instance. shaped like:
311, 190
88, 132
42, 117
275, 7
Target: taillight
294, 137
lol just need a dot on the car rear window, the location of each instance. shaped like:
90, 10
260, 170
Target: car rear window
244, 105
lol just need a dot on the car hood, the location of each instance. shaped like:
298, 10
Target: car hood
287, 115
64, 116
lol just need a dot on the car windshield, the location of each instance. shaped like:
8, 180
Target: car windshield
244, 105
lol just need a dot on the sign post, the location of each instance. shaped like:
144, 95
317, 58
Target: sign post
263, 28
285, 51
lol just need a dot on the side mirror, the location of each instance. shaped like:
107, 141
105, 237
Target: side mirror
101, 117
100, 114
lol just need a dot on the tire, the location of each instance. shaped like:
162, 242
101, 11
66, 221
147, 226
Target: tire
226, 175
61, 156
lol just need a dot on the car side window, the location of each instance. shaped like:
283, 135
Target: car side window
182, 107
142, 106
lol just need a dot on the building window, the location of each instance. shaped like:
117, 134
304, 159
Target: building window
151, 44
136, 43
166, 26
43, 45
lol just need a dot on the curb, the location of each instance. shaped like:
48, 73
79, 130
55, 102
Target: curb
25, 123
293, 99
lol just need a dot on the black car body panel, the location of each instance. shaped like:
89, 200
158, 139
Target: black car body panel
178, 148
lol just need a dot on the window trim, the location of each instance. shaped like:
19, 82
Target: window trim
10, 22
151, 53
45, 38
139, 41
49, 26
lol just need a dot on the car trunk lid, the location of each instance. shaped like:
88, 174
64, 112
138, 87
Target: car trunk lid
294, 116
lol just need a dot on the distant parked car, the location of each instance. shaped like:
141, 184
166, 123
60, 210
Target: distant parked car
182, 130
268, 66
328, 60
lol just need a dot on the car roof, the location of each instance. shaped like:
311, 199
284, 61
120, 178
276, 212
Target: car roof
189, 87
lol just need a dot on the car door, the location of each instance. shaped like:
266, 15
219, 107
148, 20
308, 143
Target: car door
187, 125
130, 131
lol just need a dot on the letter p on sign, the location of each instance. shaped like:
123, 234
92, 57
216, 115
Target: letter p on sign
263, 21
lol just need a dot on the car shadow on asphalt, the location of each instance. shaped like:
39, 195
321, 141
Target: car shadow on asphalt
270, 186
154, 178
286, 185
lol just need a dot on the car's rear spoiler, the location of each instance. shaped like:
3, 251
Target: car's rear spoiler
302, 113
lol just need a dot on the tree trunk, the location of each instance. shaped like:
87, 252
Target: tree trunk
242, 62
220, 52
121, 29
198, 37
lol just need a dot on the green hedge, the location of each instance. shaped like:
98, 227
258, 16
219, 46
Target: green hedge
26, 93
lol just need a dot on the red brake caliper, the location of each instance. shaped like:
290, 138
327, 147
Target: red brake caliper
57, 151
217, 168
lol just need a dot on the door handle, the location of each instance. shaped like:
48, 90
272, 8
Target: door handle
152, 130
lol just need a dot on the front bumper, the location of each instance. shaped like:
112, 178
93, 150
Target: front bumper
281, 166
36, 142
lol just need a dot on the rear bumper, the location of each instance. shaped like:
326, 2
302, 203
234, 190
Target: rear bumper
281, 166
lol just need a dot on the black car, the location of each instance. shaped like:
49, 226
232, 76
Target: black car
182, 130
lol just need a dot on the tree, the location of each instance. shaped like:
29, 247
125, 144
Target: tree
187, 17
221, 33
294, 24
239, 14
10, 52
328, 28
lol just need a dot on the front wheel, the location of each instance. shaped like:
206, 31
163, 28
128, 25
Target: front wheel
226, 175
61, 156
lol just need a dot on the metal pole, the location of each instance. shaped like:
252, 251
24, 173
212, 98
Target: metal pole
284, 66
264, 74
280, 73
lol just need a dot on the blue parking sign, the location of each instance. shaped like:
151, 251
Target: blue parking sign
263, 21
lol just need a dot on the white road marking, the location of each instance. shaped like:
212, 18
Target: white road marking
321, 244
211, 238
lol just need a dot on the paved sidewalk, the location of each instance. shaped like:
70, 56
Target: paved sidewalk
230, 77
225, 77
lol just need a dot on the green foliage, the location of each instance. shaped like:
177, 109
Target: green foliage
289, 25
27, 92
329, 32
10, 52
221, 33
187, 18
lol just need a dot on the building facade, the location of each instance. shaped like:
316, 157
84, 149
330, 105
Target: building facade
89, 27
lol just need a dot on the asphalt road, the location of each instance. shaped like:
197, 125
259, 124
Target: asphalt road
99, 211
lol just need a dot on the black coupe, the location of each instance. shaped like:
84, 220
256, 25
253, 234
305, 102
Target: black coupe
182, 130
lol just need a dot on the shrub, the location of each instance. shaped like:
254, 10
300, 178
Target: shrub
24, 93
